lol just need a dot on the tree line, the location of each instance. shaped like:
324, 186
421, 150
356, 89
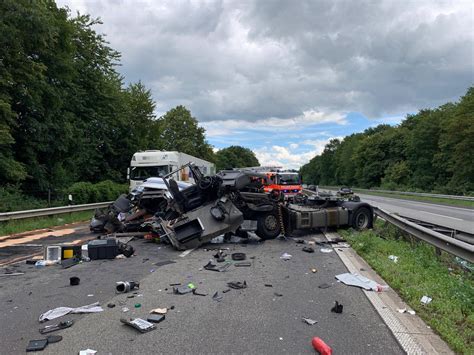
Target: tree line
432, 150
66, 114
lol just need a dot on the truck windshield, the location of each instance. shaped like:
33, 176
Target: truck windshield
289, 179
144, 172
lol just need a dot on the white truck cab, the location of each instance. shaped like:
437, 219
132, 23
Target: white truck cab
157, 163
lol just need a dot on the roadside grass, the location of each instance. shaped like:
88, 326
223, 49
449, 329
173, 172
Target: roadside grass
420, 272
441, 201
29, 224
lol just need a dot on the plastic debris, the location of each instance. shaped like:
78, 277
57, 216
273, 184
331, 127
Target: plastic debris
159, 310
195, 292
286, 256
309, 321
325, 250
138, 305
213, 267
74, 281
404, 310
87, 352
393, 258
358, 281
308, 249
314, 271
53, 327
237, 285
139, 324
337, 307
125, 309
111, 305
120, 256
243, 264
324, 285
156, 318
217, 297
278, 294
62, 311
426, 299
126, 286
182, 290
464, 264
320, 346
37, 345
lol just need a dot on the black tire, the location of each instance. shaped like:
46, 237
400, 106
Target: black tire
362, 219
268, 226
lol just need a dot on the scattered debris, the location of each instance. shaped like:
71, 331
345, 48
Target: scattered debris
277, 294
237, 285
54, 327
156, 318
360, 281
90, 295
120, 256
164, 262
87, 352
13, 274
325, 250
54, 339
220, 256
36, 345
176, 284
217, 297
159, 310
126, 286
74, 281
308, 249
299, 241
309, 321
182, 290
213, 267
125, 309
238, 256
111, 305
243, 264
139, 324
311, 242
138, 305
195, 292
268, 285
324, 285
393, 258
412, 312
337, 308
314, 271
464, 264
62, 311
426, 299
320, 346
286, 256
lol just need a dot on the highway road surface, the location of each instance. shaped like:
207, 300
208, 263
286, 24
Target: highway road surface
458, 218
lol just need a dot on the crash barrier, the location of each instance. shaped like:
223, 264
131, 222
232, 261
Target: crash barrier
7, 216
453, 197
448, 244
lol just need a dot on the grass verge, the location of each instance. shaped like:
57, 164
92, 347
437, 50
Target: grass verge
437, 200
29, 224
420, 272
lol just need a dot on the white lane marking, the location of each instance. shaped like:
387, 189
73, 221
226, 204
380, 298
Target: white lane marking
186, 252
441, 215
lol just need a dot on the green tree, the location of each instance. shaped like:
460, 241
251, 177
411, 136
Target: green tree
235, 157
178, 130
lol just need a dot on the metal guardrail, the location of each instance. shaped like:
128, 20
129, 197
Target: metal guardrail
451, 245
7, 216
453, 197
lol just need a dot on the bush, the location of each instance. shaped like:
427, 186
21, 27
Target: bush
12, 199
86, 192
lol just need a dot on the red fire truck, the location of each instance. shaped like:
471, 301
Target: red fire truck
287, 182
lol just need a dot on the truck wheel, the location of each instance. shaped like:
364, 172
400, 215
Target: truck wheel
362, 219
268, 226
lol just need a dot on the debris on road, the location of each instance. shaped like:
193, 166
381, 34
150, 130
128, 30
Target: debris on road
393, 258
243, 264
360, 281
62, 311
126, 286
314, 271
159, 310
156, 318
426, 299
220, 256
309, 321
308, 249
217, 297
278, 294
87, 352
54, 339
139, 324
404, 310
237, 285
213, 267
326, 250
286, 256
195, 292
54, 327
238, 256
324, 285
182, 290
37, 345
320, 346
13, 274
111, 305
337, 308
74, 281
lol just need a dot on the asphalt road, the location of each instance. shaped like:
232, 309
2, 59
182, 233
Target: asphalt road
254, 320
461, 219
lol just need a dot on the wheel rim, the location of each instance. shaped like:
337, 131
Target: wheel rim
361, 221
270, 222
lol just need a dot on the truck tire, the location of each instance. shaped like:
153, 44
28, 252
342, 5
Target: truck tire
362, 219
268, 226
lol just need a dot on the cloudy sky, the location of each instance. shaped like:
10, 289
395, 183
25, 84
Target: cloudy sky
284, 77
